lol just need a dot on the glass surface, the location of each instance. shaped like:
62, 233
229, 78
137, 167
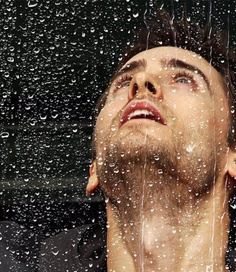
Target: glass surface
57, 58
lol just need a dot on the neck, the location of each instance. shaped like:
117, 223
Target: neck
164, 238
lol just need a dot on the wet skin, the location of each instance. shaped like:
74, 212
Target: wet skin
179, 101
171, 99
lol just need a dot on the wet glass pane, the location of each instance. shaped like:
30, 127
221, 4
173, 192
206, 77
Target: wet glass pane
57, 58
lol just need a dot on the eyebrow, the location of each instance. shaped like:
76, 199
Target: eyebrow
176, 63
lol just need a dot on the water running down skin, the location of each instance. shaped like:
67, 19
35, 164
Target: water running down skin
185, 221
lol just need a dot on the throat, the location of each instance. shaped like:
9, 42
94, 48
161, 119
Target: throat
155, 242
158, 221
161, 232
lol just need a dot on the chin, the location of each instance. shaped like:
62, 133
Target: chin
140, 132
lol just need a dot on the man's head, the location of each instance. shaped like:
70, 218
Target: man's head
168, 110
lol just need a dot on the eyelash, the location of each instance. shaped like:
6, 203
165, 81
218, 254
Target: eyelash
186, 75
121, 80
181, 74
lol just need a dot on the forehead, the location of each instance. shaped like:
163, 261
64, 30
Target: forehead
157, 56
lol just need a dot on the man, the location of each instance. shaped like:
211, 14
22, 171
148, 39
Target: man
165, 160
165, 152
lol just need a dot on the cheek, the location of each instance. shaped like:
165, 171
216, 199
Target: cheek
222, 120
194, 117
102, 125
104, 121
206, 121
192, 109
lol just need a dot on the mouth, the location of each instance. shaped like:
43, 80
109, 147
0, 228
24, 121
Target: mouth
141, 110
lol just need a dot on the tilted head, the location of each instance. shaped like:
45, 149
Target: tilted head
184, 75
165, 130
208, 42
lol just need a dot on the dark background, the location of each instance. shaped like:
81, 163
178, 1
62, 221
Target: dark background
56, 58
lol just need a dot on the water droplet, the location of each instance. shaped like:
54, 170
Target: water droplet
6, 74
54, 115
116, 171
5, 134
233, 206
32, 122
10, 59
209, 268
55, 253
36, 50
190, 148
173, 230
32, 3
43, 117
100, 162
113, 128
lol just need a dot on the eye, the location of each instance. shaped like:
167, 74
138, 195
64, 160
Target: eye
123, 81
184, 78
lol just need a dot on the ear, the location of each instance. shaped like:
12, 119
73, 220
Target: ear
93, 179
232, 163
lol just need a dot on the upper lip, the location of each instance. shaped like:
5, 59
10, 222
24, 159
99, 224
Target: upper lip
141, 109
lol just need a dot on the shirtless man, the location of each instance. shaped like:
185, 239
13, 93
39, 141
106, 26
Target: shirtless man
165, 152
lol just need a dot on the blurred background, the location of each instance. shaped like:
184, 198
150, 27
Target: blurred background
56, 58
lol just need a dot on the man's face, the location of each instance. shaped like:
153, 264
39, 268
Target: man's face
166, 105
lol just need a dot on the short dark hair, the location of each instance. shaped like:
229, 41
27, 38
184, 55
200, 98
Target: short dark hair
208, 42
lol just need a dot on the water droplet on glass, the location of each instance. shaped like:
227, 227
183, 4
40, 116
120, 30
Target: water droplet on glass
113, 128
173, 230
209, 268
233, 206
43, 117
10, 59
32, 3
190, 148
6, 74
55, 253
100, 162
54, 115
156, 158
36, 50
5, 134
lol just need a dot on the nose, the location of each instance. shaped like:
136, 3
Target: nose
143, 83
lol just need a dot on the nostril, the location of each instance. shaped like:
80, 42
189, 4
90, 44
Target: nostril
135, 88
150, 87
